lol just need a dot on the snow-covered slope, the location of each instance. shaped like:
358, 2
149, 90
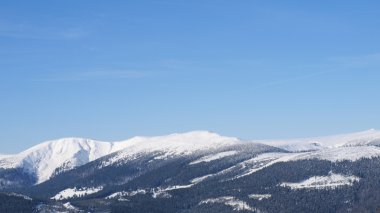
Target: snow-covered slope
303, 147
337, 154
365, 138
69, 193
324, 182
43, 159
173, 145
5, 156
234, 203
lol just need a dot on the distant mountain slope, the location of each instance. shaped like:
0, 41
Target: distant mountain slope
369, 137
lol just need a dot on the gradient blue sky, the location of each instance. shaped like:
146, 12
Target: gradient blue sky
253, 69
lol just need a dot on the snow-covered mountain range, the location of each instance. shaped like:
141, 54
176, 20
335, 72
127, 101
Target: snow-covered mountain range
192, 166
44, 159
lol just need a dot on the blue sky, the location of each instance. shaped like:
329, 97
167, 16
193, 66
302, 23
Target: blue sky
253, 69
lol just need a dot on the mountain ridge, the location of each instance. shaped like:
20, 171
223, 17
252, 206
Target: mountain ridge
44, 159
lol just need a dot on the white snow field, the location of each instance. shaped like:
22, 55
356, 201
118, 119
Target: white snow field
323, 182
234, 203
75, 192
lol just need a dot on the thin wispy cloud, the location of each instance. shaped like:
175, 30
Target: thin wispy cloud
93, 76
294, 79
369, 63
28, 31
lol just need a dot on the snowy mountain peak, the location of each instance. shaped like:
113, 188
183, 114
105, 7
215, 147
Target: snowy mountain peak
188, 140
173, 144
43, 159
